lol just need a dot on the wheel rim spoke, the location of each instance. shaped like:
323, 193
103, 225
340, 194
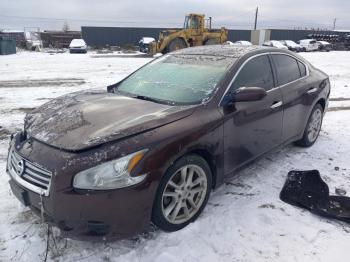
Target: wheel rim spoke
186, 211
170, 208
173, 185
191, 202
183, 175
197, 181
190, 177
176, 211
197, 190
170, 194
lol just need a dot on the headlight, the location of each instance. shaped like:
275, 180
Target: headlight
111, 175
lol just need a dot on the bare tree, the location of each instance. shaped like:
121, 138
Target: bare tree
65, 27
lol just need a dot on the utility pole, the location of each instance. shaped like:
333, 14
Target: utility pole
256, 17
210, 18
334, 23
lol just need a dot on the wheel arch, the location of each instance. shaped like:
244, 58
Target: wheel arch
207, 156
321, 101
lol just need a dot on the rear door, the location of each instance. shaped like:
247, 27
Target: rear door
296, 90
252, 128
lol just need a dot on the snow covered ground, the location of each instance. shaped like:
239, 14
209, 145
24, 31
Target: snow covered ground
244, 219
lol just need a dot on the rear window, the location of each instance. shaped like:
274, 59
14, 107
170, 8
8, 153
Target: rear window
287, 68
302, 69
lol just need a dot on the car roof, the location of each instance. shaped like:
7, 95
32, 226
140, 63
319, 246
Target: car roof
234, 51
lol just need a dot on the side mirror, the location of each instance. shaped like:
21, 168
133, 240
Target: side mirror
246, 94
110, 88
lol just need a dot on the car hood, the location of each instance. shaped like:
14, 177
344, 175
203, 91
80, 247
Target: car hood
86, 119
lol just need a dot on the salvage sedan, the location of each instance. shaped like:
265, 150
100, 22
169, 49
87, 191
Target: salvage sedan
155, 144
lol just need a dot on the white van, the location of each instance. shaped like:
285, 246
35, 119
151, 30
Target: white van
309, 44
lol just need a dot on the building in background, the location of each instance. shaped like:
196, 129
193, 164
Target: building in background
59, 39
7, 46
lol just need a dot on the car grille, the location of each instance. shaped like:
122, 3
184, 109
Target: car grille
28, 174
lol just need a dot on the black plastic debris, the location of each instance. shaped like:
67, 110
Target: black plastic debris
306, 189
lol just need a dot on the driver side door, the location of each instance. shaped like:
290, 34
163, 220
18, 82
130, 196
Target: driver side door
255, 127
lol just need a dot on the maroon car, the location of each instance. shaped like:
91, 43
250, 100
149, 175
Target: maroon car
155, 144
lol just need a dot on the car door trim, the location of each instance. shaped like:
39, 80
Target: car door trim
272, 68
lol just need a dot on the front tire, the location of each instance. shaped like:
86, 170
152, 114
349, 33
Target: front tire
212, 41
313, 127
182, 193
176, 44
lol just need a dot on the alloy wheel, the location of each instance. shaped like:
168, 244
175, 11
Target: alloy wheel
314, 125
184, 194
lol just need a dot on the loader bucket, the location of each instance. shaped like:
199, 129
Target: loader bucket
152, 49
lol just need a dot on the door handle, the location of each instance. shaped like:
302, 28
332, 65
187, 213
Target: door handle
276, 104
312, 90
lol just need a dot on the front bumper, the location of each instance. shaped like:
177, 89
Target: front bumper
77, 50
82, 213
110, 214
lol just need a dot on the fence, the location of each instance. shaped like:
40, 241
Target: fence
296, 35
120, 36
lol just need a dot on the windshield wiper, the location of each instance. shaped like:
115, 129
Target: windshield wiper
146, 98
155, 100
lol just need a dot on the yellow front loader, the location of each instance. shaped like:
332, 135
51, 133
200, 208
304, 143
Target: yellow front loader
194, 33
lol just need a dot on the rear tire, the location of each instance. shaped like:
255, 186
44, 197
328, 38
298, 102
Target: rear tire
212, 41
182, 193
313, 127
176, 44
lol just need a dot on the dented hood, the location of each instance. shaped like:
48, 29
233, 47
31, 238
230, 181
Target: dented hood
81, 120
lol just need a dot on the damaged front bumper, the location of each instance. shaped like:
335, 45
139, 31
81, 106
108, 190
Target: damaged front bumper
78, 213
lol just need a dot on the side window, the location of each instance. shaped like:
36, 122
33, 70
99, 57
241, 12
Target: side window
256, 72
287, 68
302, 69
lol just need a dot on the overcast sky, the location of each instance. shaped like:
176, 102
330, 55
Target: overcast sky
51, 14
